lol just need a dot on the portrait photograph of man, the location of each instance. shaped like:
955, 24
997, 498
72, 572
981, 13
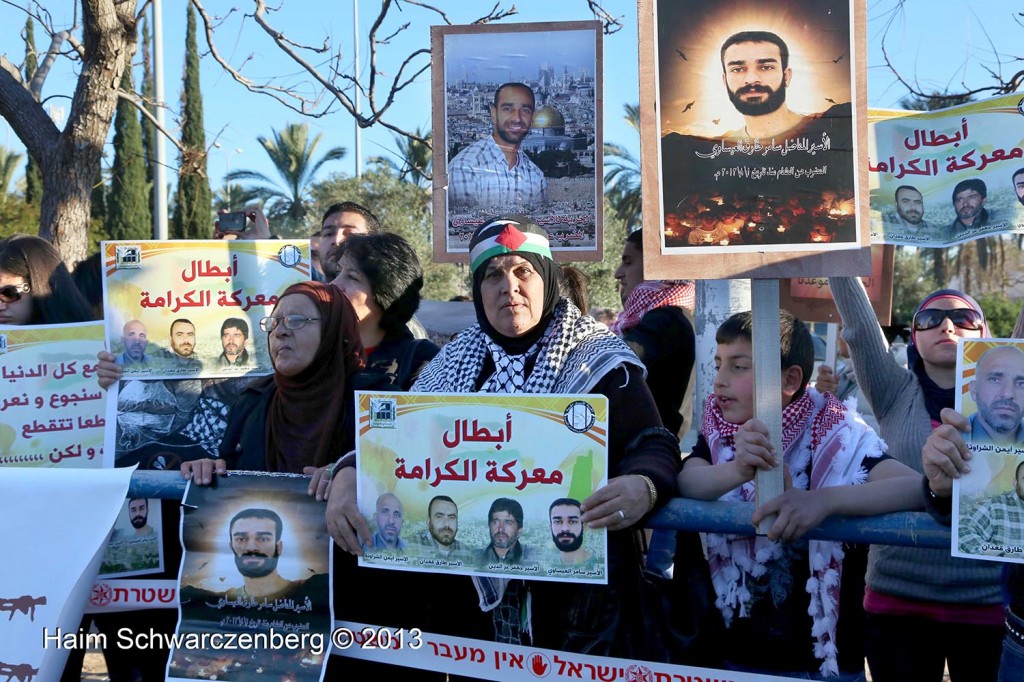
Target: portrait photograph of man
134, 547
755, 125
521, 132
251, 549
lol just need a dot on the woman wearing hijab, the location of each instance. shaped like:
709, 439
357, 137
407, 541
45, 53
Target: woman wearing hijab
300, 418
924, 609
529, 340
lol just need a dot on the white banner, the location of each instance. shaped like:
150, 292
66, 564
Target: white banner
509, 663
56, 524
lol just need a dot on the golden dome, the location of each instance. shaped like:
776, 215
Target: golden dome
548, 117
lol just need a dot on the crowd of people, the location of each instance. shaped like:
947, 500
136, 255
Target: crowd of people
783, 605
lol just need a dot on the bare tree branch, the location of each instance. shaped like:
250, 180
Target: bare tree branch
140, 104
611, 24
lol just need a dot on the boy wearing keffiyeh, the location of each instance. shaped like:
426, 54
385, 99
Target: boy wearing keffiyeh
780, 595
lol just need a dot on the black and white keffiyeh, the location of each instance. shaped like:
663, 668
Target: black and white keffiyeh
571, 357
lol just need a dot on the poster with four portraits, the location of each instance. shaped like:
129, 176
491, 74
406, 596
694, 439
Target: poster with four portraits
483, 484
751, 132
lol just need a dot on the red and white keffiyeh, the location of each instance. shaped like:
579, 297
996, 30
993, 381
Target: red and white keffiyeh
652, 294
829, 440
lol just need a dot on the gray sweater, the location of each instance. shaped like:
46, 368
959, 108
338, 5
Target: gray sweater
903, 422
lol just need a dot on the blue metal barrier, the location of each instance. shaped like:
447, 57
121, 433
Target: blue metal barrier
910, 529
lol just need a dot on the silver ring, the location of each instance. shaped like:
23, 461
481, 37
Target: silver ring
622, 515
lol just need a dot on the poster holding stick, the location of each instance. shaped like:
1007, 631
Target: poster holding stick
764, 295
191, 309
988, 501
52, 412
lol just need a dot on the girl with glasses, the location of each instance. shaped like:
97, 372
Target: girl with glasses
924, 608
35, 286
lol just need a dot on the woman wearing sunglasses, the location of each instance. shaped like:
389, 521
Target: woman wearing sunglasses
924, 608
35, 286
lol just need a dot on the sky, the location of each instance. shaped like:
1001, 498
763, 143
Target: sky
938, 44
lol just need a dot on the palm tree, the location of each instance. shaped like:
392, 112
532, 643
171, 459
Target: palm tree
233, 195
622, 176
291, 152
8, 164
415, 159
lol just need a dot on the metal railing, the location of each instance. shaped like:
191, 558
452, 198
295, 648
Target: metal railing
909, 529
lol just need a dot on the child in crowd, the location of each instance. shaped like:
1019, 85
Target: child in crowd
779, 596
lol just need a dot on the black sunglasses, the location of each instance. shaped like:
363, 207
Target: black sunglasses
965, 318
13, 292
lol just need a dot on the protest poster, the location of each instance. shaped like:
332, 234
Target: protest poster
191, 309
988, 501
460, 483
517, 129
810, 298
948, 176
56, 521
135, 546
749, 115
254, 584
52, 412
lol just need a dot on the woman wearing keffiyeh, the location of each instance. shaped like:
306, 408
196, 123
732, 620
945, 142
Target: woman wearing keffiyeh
529, 340
779, 596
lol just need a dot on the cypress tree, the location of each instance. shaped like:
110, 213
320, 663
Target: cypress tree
193, 215
148, 101
128, 214
33, 177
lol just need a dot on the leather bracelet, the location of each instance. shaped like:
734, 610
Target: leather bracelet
348, 460
651, 491
929, 493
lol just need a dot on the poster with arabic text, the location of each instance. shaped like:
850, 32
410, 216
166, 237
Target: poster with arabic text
191, 309
480, 484
52, 411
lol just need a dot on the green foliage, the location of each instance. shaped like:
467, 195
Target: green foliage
622, 176
403, 208
8, 164
291, 151
1001, 314
911, 282
193, 217
415, 157
128, 215
604, 292
18, 217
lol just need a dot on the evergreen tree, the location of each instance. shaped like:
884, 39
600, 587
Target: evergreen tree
148, 101
128, 215
193, 216
33, 178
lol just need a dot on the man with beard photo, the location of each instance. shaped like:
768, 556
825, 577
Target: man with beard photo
254, 536
567, 531
505, 524
969, 204
910, 222
390, 515
234, 332
494, 172
138, 515
442, 526
183, 347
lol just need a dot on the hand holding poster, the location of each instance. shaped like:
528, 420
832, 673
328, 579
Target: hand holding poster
460, 483
52, 413
988, 501
192, 308
254, 584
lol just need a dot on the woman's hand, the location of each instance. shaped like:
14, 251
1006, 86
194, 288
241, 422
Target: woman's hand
107, 371
945, 455
346, 525
202, 471
320, 485
617, 505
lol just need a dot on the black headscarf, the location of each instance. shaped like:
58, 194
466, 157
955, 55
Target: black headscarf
511, 235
